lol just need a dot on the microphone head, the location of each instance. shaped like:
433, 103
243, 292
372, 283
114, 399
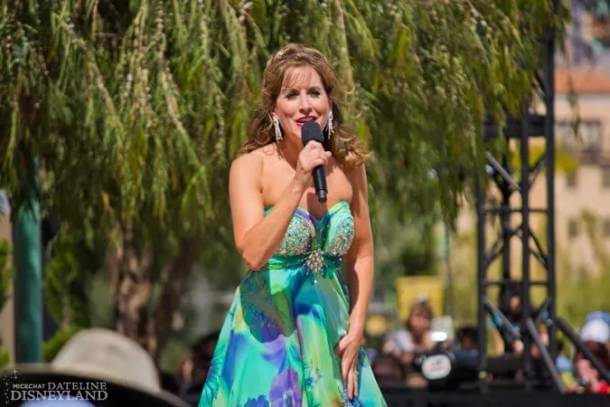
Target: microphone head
311, 131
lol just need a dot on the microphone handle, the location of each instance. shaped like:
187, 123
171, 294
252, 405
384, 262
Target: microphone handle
319, 180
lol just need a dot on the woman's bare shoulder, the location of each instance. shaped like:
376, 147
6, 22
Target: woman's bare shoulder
253, 159
356, 174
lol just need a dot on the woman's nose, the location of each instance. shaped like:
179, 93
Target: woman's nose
304, 103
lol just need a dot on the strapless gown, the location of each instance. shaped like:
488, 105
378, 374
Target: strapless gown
277, 344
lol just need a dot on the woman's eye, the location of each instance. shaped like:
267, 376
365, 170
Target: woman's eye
314, 93
291, 95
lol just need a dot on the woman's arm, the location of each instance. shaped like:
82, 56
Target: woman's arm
258, 236
359, 269
360, 258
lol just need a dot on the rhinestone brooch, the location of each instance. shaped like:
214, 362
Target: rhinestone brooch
315, 261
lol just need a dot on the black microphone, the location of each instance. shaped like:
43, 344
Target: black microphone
312, 131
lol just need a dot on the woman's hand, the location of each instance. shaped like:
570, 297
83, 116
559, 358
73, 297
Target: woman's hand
348, 349
310, 157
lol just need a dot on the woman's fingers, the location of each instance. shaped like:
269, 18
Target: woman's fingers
318, 161
340, 348
349, 370
313, 155
314, 145
352, 383
348, 349
317, 149
345, 366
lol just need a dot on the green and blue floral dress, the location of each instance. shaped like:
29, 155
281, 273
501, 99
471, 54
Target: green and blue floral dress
277, 344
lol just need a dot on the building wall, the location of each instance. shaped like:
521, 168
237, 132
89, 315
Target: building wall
584, 191
588, 189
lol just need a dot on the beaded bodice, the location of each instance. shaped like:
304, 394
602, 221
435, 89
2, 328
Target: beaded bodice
329, 236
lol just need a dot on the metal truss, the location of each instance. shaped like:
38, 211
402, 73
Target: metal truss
503, 200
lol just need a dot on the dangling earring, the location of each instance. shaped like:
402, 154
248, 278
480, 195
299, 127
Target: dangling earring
276, 128
331, 129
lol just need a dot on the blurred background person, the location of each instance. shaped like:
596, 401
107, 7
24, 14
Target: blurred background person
595, 334
467, 339
413, 339
604, 318
388, 371
510, 305
194, 368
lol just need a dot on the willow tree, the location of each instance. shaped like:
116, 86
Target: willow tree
135, 109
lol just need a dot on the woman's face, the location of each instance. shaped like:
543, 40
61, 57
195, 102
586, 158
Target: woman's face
419, 324
301, 99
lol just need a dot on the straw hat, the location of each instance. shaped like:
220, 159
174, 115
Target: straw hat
125, 369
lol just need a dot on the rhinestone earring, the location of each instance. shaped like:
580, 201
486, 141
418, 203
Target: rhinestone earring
331, 129
276, 128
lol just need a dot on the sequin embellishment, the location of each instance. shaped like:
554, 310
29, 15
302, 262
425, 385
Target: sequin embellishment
318, 241
315, 261
342, 240
298, 237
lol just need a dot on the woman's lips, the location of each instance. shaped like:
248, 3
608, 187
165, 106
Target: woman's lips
300, 122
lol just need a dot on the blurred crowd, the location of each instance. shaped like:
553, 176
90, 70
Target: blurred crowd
418, 354
399, 359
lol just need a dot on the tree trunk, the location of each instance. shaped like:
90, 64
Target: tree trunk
131, 281
131, 277
172, 292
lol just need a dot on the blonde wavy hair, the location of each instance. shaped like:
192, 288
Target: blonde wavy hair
347, 149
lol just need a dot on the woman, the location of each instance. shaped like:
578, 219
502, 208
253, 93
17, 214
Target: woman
292, 337
405, 344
